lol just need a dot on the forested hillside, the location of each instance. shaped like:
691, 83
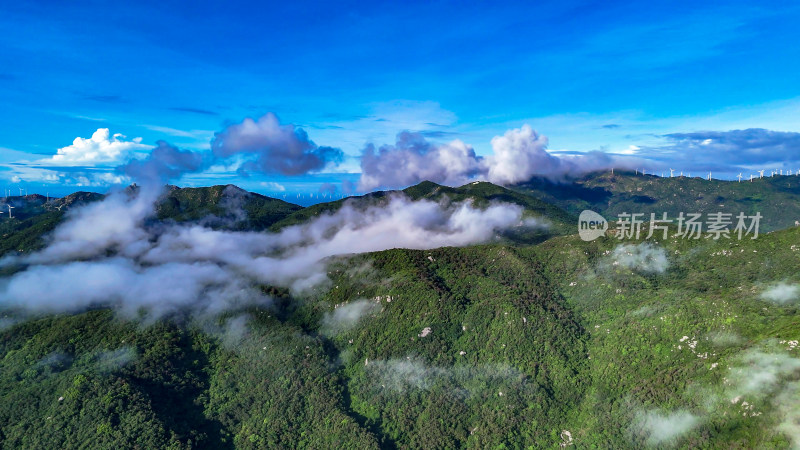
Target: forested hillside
521, 342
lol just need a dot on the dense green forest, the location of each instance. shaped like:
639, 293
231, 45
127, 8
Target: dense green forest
534, 340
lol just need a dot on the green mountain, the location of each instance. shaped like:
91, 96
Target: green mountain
777, 198
481, 194
515, 344
226, 206
34, 216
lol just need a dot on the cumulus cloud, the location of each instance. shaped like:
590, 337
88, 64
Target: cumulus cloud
518, 155
782, 293
87, 162
264, 145
146, 254
272, 148
643, 257
163, 163
413, 159
101, 148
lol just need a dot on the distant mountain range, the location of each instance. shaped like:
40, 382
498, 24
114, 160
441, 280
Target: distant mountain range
777, 198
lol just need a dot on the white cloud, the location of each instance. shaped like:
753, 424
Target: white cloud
760, 380
643, 257
347, 316
94, 176
782, 293
123, 260
271, 147
663, 427
518, 155
273, 186
101, 148
413, 159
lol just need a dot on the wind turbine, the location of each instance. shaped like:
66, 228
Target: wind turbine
20, 192
681, 173
740, 178
709, 176
671, 172
761, 173
751, 177
9, 212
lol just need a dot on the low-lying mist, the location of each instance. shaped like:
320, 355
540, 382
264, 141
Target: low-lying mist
113, 253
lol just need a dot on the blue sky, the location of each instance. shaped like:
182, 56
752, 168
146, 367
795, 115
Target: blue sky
618, 77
